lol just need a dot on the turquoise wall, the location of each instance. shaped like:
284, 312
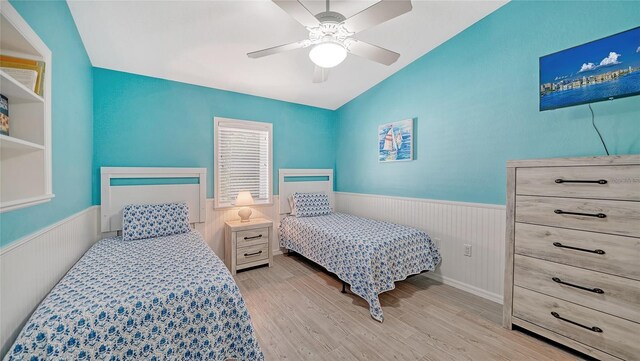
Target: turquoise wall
72, 113
150, 122
475, 100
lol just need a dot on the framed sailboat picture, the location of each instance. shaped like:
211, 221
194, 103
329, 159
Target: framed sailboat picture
395, 141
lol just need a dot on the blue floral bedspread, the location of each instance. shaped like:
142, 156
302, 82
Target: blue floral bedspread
367, 254
154, 299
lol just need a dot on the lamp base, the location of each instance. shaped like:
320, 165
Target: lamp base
244, 213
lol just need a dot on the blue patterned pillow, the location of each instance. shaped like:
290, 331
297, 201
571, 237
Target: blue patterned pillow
311, 204
154, 220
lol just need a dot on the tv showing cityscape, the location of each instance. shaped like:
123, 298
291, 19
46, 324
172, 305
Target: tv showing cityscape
604, 69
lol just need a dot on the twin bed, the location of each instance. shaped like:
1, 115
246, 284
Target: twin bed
367, 254
155, 296
158, 291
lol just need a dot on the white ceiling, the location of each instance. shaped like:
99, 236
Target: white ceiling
206, 42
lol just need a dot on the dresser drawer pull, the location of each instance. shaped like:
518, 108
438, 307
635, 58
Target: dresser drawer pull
252, 254
597, 251
598, 215
594, 290
254, 237
599, 181
592, 328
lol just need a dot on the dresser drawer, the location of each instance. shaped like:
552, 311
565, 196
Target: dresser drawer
607, 253
618, 336
618, 296
252, 254
606, 182
616, 217
252, 237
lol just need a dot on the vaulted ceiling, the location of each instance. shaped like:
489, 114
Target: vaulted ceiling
206, 42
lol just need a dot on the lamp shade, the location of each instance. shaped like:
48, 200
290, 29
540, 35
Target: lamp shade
244, 199
328, 54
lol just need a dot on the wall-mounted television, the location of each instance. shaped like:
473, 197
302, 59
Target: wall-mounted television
604, 69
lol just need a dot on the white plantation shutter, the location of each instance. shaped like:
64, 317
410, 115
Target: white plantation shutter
243, 160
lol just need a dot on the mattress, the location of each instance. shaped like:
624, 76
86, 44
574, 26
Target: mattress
367, 254
159, 298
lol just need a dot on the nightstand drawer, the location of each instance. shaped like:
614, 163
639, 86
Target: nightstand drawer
252, 237
252, 254
247, 244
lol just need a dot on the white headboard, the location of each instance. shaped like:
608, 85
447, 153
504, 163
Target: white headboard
116, 197
290, 185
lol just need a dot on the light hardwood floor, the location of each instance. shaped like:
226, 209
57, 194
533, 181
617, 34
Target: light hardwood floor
300, 314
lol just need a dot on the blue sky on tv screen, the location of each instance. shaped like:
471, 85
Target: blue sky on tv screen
611, 53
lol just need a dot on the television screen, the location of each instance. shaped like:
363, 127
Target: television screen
604, 69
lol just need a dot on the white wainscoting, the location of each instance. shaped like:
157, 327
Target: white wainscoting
214, 226
30, 267
451, 225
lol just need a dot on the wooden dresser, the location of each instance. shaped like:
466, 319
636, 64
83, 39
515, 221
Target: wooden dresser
572, 270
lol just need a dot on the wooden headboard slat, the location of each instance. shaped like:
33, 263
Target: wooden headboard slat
115, 198
287, 188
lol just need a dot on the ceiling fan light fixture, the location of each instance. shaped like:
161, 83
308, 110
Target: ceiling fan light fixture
328, 54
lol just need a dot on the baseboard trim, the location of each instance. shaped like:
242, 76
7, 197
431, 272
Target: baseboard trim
26, 239
426, 200
465, 287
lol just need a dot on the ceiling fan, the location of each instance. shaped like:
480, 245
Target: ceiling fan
330, 34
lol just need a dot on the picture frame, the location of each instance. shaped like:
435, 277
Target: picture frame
395, 141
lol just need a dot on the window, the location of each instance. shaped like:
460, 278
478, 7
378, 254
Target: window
242, 160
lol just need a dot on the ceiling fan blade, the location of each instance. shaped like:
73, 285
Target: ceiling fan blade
376, 14
372, 52
277, 49
298, 12
320, 75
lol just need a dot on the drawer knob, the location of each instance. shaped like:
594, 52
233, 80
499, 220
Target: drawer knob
594, 290
597, 251
599, 181
252, 254
590, 328
254, 237
597, 215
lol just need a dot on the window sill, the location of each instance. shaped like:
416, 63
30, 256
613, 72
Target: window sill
229, 207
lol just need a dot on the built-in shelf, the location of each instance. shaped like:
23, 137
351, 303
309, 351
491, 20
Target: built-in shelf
25, 154
25, 202
12, 39
15, 144
16, 92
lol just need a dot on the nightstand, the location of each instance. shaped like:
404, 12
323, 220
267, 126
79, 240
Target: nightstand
247, 244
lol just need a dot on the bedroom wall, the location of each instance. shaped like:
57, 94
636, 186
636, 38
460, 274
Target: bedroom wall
475, 101
72, 121
39, 244
144, 121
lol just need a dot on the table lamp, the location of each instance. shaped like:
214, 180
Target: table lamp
244, 199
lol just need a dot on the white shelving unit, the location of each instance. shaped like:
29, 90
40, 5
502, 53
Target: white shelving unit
25, 154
